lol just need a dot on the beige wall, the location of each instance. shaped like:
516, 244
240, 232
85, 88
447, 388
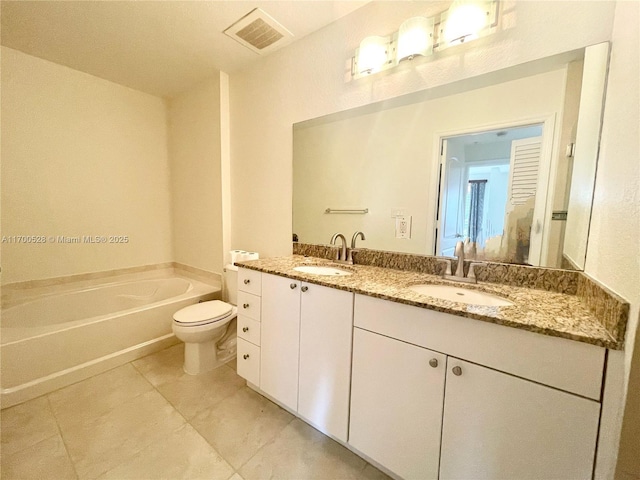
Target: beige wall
194, 150
613, 253
80, 156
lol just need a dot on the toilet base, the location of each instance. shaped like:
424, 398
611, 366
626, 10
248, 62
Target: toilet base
200, 357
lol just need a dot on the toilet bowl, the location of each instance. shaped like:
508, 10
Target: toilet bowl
204, 328
201, 327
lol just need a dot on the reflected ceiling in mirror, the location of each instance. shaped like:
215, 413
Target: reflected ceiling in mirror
377, 168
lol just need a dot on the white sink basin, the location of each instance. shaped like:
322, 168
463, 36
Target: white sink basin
463, 295
319, 270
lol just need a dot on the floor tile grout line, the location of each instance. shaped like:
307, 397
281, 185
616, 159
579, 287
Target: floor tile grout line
188, 422
64, 442
274, 438
160, 393
112, 409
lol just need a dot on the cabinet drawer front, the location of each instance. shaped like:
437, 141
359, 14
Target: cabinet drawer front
249, 305
565, 364
249, 329
249, 361
249, 281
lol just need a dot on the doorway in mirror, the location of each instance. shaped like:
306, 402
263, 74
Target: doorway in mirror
488, 185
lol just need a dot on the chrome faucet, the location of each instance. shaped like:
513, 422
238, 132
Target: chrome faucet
459, 275
459, 253
355, 237
353, 245
341, 255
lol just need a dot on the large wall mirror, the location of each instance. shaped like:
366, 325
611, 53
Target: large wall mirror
505, 162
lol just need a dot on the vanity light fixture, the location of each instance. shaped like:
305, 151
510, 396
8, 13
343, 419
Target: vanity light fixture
415, 37
372, 56
465, 20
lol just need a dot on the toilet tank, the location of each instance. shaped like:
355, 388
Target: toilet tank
230, 281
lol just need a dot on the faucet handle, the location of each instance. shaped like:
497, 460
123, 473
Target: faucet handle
459, 249
447, 264
471, 275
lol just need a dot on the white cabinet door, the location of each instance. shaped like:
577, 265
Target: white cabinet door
326, 326
397, 394
498, 426
280, 339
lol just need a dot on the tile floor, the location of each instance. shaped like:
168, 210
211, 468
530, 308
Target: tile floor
148, 419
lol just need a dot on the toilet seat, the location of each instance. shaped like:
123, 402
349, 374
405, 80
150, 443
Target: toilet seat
204, 313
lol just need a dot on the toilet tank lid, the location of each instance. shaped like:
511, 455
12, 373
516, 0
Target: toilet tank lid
200, 312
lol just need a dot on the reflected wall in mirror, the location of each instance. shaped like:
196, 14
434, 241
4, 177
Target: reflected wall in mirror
387, 159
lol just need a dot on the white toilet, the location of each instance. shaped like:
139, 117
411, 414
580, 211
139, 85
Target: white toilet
203, 325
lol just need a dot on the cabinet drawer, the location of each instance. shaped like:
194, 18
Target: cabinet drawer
248, 361
565, 364
249, 281
249, 329
249, 305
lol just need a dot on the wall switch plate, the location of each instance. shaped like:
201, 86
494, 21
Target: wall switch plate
398, 212
403, 226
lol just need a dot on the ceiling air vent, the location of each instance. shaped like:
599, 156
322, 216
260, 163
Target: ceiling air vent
259, 32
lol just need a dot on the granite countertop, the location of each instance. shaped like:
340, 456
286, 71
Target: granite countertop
549, 313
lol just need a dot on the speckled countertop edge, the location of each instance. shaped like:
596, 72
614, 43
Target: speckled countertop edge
550, 313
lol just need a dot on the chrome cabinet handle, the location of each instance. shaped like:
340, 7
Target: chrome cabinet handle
247, 281
433, 362
245, 356
304, 289
245, 305
457, 371
293, 285
245, 329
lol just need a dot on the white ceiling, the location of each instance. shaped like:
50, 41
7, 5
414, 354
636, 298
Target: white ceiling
160, 47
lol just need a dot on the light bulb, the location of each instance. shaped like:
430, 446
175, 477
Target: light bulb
372, 54
465, 19
415, 38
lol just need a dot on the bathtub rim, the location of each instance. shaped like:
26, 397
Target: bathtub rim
195, 289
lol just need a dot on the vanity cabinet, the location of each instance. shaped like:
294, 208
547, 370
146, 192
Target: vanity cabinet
305, 358
397, 394
472, 421
421, 393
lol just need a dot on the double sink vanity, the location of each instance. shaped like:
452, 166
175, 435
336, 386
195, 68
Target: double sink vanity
422, 376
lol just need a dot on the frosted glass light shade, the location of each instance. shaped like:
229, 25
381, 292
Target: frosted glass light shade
415, 38
465, 19
372, 54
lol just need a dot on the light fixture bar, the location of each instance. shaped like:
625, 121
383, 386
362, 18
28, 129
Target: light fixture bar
464, 21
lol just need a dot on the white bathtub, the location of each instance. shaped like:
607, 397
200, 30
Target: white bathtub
63, 337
